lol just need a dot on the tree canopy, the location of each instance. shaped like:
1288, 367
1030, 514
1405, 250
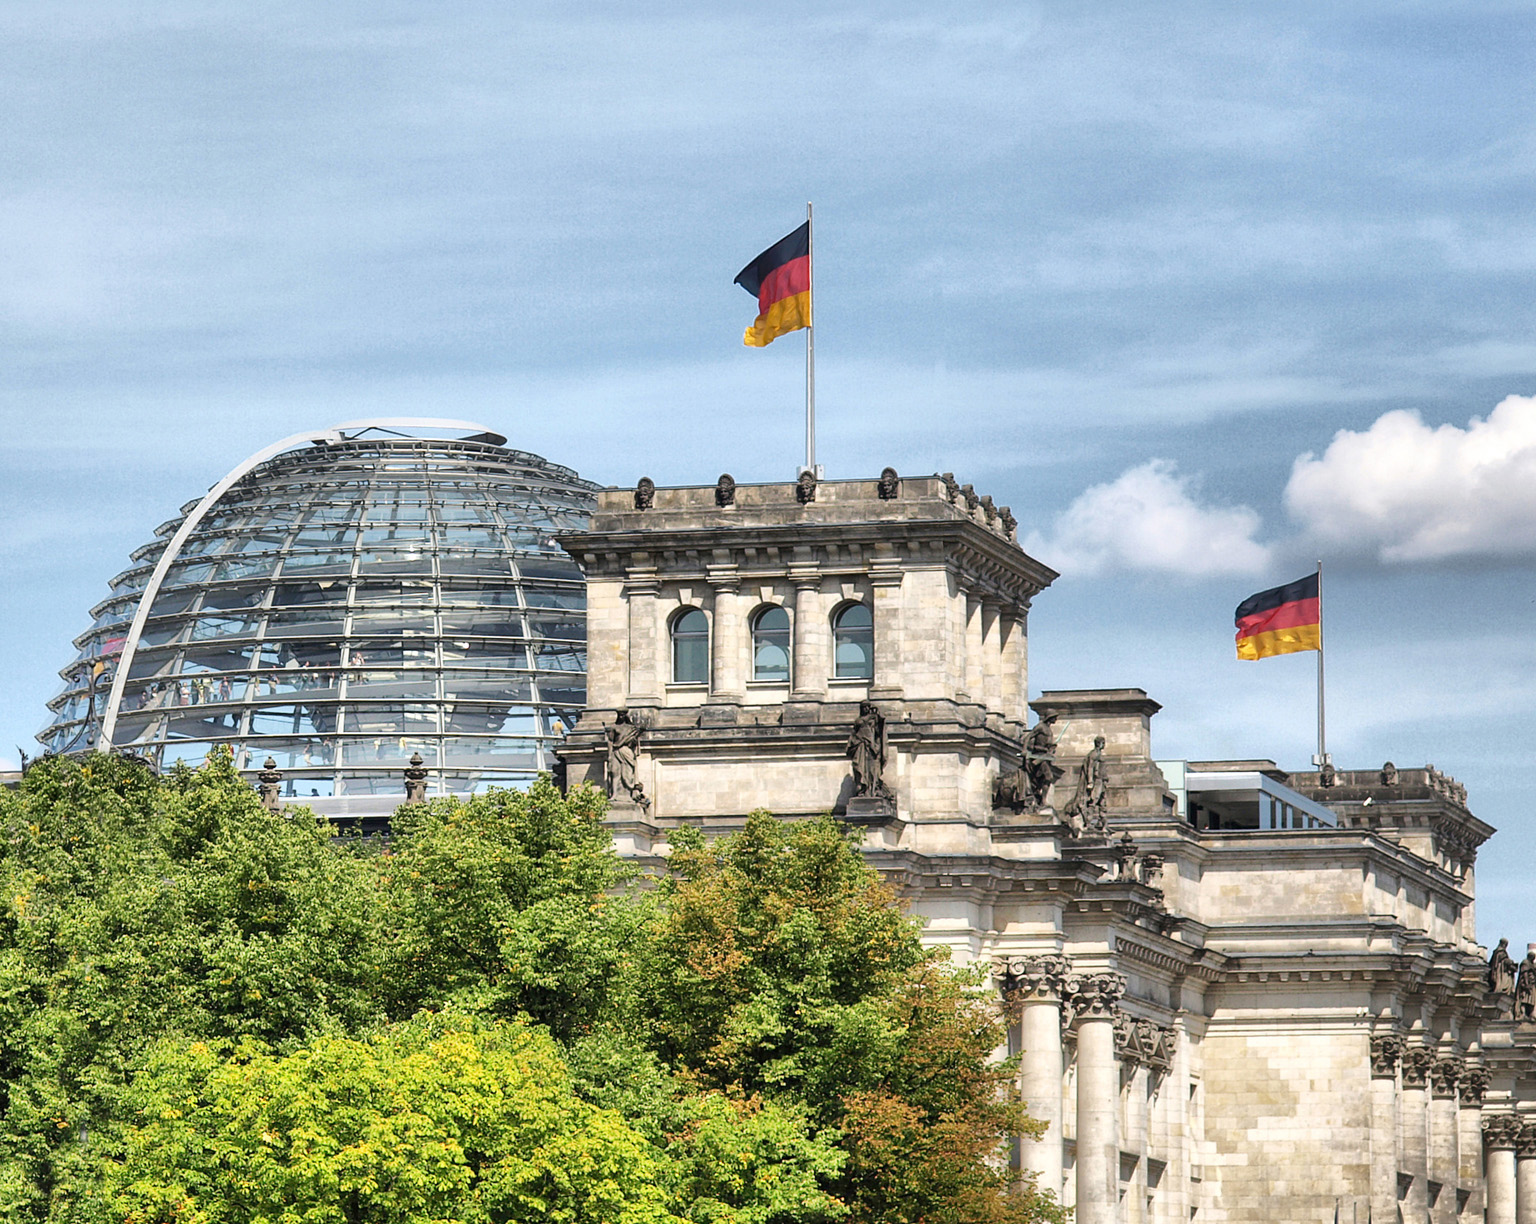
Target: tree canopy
212, 1013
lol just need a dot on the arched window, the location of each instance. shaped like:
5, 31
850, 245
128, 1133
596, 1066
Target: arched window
690, 647
770, 644
853, 643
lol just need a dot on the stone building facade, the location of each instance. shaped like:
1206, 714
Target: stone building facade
1236, 994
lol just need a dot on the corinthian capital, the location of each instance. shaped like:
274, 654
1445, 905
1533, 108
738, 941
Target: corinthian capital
1091, 995
1500, 1130
1446, 1074
1474, 1082
1386, 1049
1031, 977
1416, 1064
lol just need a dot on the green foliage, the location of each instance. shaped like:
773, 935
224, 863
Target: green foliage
443, 1119
212, 1013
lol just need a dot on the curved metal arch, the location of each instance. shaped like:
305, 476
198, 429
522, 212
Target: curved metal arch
330, 436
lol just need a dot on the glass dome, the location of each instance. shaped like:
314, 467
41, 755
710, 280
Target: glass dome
341, 601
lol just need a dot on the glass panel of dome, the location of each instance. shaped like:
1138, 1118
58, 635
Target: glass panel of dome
559, 658
486, 654
244, 567
480, 596
489, 564
205, 627
288, 720
393, 591
317, 563
494, 622
471, 686
504, 752
227, 598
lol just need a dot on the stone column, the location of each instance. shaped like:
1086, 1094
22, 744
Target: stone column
1525, 1172
1386, 1049
1415, 1130
991, 656
1444, 1077
648, 667
727, 645
813, 652
1469, 1120
1033, 985
885, 579
1500, 1132
975, 678
1093, 1000
1015, 682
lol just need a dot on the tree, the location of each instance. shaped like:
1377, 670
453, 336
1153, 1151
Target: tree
783, 969
445, 1118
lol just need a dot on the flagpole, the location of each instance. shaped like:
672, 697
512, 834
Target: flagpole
810, 345
1322, 722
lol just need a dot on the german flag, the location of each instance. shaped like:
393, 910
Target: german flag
780, 280
1282, 620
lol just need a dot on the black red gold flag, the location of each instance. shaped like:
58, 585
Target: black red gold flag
780, 280
1281, 620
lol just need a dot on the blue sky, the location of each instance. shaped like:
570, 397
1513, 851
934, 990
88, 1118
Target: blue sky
1204, 292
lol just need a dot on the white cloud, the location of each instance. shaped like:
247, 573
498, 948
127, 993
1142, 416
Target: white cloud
1408, 492
1148, 519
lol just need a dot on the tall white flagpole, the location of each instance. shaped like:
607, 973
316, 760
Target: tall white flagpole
810, 346
1322, 722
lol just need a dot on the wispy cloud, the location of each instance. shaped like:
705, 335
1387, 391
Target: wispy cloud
1149, 518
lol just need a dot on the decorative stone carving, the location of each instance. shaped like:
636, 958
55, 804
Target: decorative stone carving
1417, 1061
1144, 1042
1501, 1130
1525, 991
1085, 810
989, 509
1474, 1082
725, 490
890, 484
1389, 774
645, 493
866, 748
416, 780
1010, 524
1446, 1074
968, 492
951, 487
1031, 977
1090, 994
270, 784
621, 773
1027, 788
805, 487
1386, 1049
1329, 775
1525, 1140
1502, 970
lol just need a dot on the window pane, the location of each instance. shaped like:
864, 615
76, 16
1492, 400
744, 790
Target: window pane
853, 644
690, 648
770, 645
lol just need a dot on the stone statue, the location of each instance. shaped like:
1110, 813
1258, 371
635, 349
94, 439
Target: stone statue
725, 490
968, 492
621, 773
1389, 774
805, 487
989, 509
866, 747
416, 780
1010, 524
890, 484
951, 486
1085, 812
1040, 766
1525, 991
1329, 775
645, 493
270, 781
1502, 970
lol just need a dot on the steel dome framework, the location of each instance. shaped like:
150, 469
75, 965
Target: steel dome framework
341, 600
